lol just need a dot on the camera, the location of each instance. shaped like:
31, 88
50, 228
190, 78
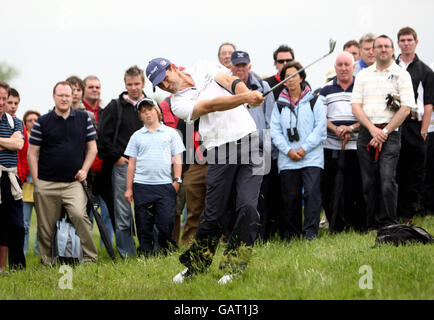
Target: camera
393, 102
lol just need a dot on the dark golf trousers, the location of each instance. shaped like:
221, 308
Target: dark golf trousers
378, 178
410, 172
341, 189
163, 199
293, 181
226, 182
12, 225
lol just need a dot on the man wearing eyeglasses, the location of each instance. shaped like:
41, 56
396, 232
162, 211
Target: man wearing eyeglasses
382, 99
282, 55
62, 147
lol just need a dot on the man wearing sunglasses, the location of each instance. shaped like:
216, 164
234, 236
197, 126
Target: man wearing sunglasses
282, 55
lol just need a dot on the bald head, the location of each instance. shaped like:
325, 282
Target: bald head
344, 67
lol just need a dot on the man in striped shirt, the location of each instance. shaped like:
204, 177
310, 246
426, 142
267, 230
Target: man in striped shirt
11, 204
62, 149
378, 144
341, 182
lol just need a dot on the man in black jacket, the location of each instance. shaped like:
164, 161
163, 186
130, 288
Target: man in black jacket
411, 164
119, 121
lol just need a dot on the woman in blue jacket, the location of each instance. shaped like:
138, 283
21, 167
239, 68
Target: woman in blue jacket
298, 128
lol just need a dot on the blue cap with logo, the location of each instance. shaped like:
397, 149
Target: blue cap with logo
156, 71
238, 57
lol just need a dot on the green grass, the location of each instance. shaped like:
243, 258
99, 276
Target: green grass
325, 268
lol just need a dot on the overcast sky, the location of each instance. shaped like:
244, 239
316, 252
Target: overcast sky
49, 40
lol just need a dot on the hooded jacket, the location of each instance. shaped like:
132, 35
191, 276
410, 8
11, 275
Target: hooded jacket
311, 127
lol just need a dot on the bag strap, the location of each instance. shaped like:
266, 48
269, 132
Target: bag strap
118, 123
10, 120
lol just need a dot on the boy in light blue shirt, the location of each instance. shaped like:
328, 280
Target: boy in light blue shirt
152, 150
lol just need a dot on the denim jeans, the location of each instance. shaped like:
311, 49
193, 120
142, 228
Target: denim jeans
380, 190
123, 213
27, 213
105, 218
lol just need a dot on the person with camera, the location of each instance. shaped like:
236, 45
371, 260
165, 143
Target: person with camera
298, 128
382, 99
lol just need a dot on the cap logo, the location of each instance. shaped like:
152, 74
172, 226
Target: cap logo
163, 62
240, 54
153, 70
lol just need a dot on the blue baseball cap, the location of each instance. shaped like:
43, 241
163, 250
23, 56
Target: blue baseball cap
156, 71
238, 57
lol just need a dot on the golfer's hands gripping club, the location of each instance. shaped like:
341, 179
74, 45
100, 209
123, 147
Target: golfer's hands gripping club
254, 98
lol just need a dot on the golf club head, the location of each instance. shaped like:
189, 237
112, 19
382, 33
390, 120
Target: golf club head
332, 43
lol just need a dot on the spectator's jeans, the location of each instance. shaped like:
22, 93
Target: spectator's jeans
27, 213
292, 182
378, 178
106, 220
123, 213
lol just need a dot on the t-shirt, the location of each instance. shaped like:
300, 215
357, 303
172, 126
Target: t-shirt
62, 144
215, 128
372, 87
154, 151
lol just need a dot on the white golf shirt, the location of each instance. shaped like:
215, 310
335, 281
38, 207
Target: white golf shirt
215, 128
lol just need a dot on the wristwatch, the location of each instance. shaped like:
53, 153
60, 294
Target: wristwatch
424, 134
177, 179
385, 131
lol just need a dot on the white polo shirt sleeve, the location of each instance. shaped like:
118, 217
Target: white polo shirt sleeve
203, 73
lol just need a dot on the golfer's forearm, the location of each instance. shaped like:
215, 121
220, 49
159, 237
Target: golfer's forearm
398, 118
218, 104
226, 81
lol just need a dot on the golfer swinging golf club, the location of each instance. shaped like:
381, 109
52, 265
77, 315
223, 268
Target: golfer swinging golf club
208, 91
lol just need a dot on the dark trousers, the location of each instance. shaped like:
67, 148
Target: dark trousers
154, 204
341, 188
293, 181
270, 203
226, 181
410, 172
12, 224
378, 178
428, 186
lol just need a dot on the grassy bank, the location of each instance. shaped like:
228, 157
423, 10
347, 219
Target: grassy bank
342, 266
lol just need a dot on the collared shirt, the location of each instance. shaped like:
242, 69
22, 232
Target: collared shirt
62, 144
337, 104
154, 151
372, 86
422, 78
9, 158
215, 128
359, 66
